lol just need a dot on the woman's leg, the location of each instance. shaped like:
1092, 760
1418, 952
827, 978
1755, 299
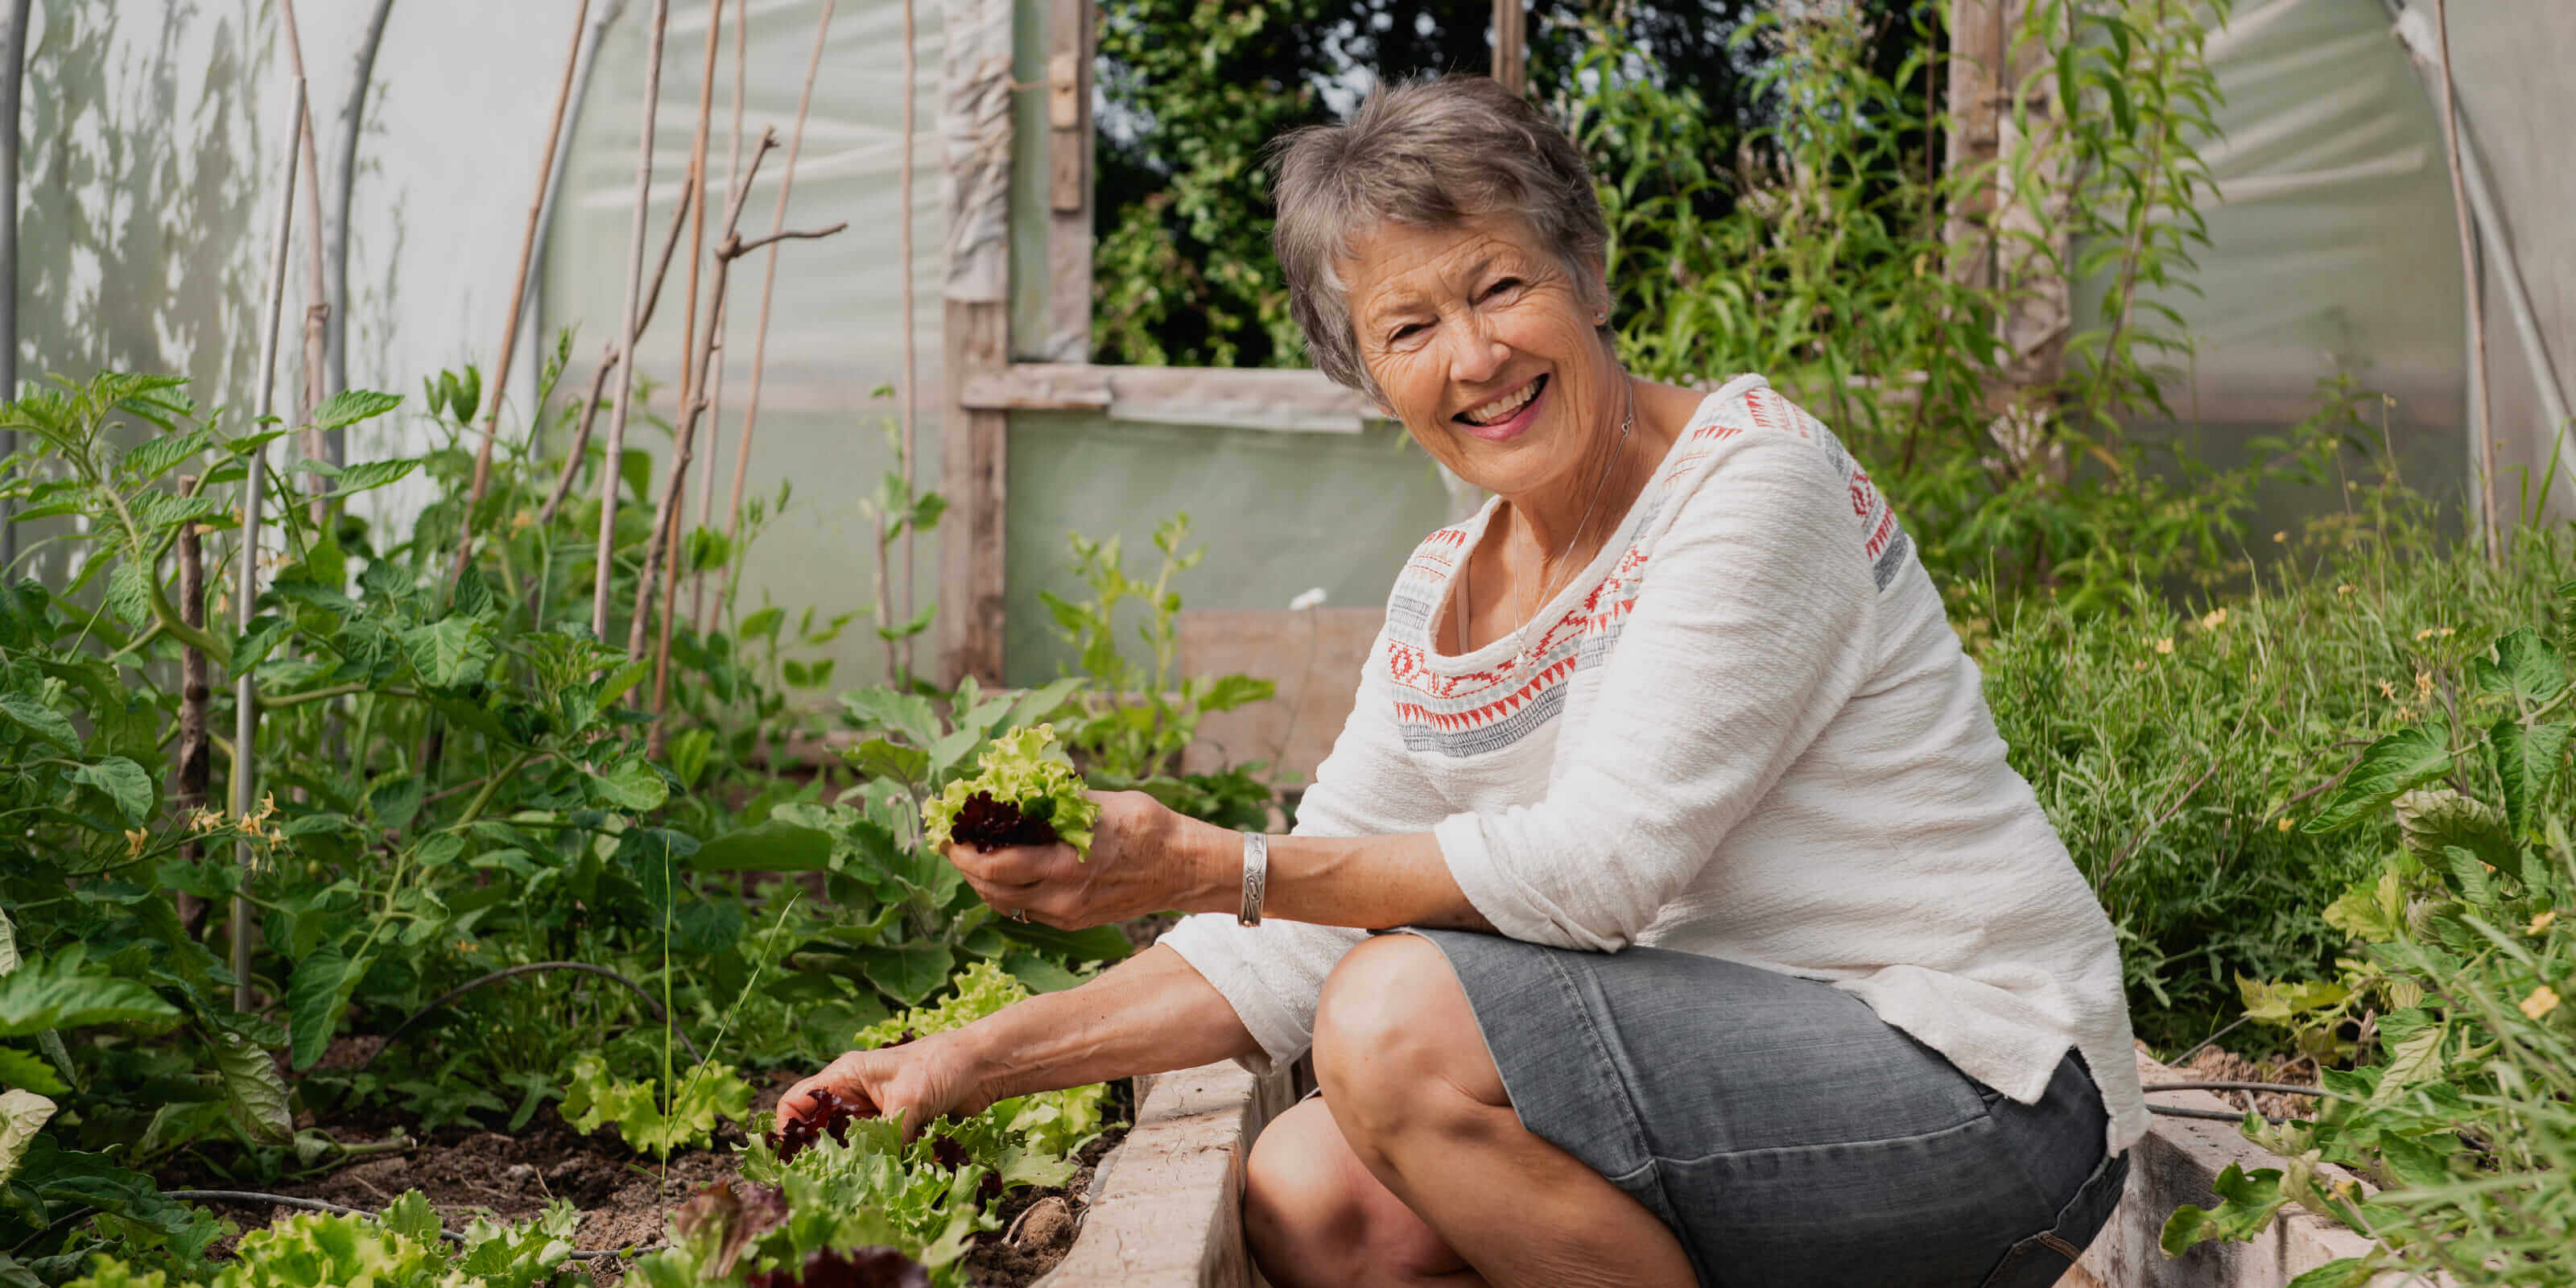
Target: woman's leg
1315, 1218
1408, 1081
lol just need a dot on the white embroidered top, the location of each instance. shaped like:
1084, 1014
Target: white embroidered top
1746, 730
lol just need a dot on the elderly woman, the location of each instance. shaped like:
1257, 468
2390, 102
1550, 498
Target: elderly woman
1732, 951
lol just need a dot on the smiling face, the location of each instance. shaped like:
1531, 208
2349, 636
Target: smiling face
1484, 345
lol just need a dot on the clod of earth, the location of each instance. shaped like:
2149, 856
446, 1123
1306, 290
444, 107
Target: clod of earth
1044, 1227
989, 825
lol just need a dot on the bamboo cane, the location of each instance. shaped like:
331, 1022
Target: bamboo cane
733, 247
691, 370
245, 699
903, 188
608, 366
715, 385
584, 63
760, 339
500, 382
662, 549
608, 477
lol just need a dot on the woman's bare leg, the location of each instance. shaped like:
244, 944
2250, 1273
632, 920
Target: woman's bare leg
1315, 1218
1408, 1081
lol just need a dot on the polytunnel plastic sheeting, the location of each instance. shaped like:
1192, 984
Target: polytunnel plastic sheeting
835, 328
1278, 514
2332, 249
2509, 64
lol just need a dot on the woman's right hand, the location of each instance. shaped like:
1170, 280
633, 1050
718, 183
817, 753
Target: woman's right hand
916, 1082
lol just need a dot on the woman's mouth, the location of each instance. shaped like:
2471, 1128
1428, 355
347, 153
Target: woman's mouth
1500, 418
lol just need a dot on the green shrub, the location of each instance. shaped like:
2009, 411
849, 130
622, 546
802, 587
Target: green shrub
2176, 752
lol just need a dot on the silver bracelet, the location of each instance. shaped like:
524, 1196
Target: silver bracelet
1256, 876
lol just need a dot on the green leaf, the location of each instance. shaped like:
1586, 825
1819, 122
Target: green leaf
688, 755
367, 476
313, 1003
121, 781
449, 652
349, 406
129, 594
2247, 1203
60, 993
156, 457
878, 758
2521, 664
2397, 763
1228, 692
907, 973
2440, 819
2416, 1058
259, 639
631, 784
40, 720
22, 1114
256, 1093
26, 1069
770, 845
2526, 761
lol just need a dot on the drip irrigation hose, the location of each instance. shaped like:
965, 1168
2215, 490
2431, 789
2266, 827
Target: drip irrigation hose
653, 1007
2283, 1088
317, 1205
2213, 1115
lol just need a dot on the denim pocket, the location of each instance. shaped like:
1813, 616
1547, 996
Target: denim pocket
2042, 1259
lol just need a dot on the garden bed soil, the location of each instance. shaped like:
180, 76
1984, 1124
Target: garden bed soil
2215, 1065
624, 1197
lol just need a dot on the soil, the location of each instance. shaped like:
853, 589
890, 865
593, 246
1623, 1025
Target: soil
624, 1197
2216, 1065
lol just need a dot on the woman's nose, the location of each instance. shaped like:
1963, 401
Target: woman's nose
1475, 354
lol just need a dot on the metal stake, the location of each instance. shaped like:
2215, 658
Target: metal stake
245, 700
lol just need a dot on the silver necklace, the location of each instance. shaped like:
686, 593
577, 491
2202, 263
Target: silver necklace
1467, 611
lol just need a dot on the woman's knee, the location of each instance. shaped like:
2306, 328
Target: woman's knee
1394, 1028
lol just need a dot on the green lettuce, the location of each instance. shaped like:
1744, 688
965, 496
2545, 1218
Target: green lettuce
1027, 769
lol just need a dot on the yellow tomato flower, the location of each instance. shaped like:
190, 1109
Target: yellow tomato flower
2541, 922
134, 842
2216, 618
2542, 1001
2165, 645
2346, 589
2286, 821
2281, 536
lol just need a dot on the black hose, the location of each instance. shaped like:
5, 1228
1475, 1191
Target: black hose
2213, 1115
317, 1205
654, 1007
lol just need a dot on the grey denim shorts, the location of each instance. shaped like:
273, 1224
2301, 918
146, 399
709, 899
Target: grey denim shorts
1786, 1133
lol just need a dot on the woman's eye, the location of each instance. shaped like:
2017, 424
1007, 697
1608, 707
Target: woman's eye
1405, 332
1507, 284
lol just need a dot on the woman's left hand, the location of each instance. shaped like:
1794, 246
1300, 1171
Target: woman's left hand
1144, 859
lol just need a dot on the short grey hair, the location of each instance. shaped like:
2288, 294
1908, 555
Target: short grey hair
1430, 153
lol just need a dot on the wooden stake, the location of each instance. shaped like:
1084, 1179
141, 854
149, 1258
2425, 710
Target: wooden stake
715, 382
911, 391
13, 67
608, 477
760, 338
254, 484
2481, 427
195, 768
1511, 50
500, 382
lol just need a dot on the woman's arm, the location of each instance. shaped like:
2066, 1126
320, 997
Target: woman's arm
1148, 1014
